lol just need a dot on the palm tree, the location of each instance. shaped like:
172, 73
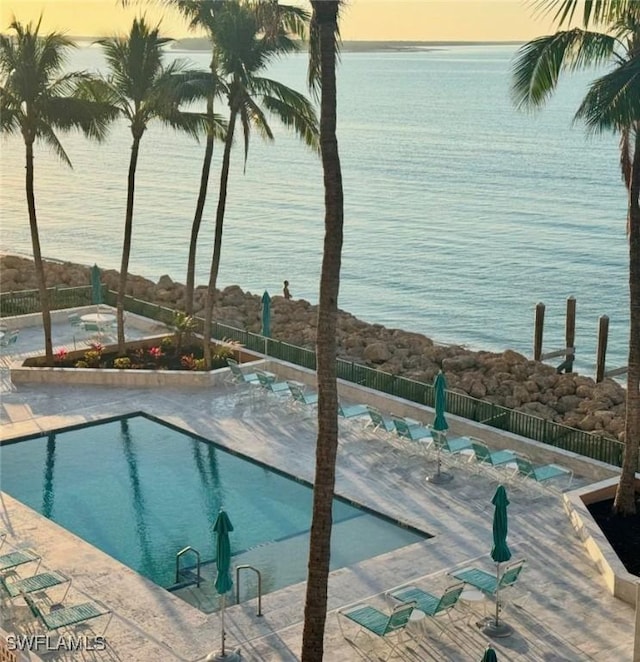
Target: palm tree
244, 49
202, 15
142, 89
612, 103
37, 99
324, 42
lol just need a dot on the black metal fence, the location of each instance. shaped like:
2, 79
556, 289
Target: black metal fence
584, 443
28, 301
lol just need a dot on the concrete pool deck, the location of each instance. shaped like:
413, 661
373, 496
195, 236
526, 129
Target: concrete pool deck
560, 611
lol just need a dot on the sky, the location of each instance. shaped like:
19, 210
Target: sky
377, 20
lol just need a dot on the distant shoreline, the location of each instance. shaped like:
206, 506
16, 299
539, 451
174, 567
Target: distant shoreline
202, 44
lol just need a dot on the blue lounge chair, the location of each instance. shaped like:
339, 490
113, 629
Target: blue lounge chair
74, 320
541, 473
379, 422
241, 377
35, 584
415, 432
12, 560
484, 457
65, 617
270, 385
486, 581
299, 395
352, 411
374, 622
454, 446
10, 338
431, 605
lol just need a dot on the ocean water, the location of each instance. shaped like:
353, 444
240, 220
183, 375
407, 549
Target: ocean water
461, 213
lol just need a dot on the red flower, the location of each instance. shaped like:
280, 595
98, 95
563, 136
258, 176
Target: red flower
155, 352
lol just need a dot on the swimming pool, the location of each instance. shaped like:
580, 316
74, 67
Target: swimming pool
141, 490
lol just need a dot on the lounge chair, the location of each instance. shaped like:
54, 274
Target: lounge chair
241, 377
379, 422
415, 432
483, 456
541, 473
10, 338
431, 605
35, 584
67, 616
12, 560
486, 581
374, 622
269, 384
352, 411
74, 320
454, 447
300, 396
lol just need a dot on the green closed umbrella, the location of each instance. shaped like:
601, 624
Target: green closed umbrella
440, 425
96, 285
500, 553
489, 655
223, 582
266, 315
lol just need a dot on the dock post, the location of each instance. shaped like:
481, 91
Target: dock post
603, 337
570, 334
538, 332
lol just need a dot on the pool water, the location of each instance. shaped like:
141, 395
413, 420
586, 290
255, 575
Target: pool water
141, 490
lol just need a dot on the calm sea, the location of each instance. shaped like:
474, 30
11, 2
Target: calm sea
460, 212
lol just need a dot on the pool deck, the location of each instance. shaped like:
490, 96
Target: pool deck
559, 611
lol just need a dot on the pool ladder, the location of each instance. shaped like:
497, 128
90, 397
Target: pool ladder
179, 555
249, 567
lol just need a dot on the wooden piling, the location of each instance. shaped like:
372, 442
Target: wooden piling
603, 337
538, 331
570, 334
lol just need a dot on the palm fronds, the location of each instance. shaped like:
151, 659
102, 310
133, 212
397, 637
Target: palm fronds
540, 62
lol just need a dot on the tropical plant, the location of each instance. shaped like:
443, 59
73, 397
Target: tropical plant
37, 99
184, 326
612, 103
244, 47
143, 89
201, 14
322, 68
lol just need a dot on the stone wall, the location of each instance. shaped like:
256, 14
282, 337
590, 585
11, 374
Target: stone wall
507, 378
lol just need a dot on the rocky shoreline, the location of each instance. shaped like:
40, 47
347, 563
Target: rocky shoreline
508, 378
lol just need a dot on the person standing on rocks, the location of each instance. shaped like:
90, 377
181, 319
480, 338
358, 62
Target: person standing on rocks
285, 292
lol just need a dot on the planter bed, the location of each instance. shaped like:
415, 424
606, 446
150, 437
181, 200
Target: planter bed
145, 371
620, 582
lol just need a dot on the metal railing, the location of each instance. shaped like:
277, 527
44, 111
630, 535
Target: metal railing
28, 301
259, 574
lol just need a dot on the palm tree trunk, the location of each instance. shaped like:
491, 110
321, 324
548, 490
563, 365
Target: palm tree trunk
326, 15
624, 503
217, 240
126, 244
197, 219
37, 255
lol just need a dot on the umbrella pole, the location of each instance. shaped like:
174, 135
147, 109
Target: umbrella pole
440, 476
493, 628
497, 593
222, 621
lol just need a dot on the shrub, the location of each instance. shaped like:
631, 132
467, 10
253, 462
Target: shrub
122, 362
81, 364
92, 358
190, 362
